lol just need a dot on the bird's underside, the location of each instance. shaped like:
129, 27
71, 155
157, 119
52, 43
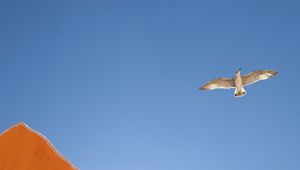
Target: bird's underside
238, 82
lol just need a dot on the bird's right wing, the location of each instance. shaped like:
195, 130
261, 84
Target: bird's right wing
257, 76
220, 83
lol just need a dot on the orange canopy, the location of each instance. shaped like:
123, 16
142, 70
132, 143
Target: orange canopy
23, 148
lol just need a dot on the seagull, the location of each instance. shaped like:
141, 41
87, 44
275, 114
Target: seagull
238, 82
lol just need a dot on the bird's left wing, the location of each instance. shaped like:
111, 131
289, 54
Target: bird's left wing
257, 76
219, 83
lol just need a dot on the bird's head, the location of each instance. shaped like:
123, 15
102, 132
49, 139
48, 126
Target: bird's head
238, 71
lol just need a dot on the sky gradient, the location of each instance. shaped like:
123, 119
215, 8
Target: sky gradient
114, 84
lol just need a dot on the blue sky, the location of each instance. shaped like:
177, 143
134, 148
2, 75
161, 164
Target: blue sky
114, 84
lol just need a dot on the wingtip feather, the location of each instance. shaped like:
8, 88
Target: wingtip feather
202, 88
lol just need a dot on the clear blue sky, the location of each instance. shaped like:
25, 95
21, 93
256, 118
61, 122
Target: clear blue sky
114, 84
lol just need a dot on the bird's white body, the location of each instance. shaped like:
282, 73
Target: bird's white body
238, 82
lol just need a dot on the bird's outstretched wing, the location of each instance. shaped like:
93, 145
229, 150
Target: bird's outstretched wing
220, 83
257, 76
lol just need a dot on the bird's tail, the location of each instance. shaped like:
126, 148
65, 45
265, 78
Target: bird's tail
239, 93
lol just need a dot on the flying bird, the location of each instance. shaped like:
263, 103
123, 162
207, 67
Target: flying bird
238, 82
